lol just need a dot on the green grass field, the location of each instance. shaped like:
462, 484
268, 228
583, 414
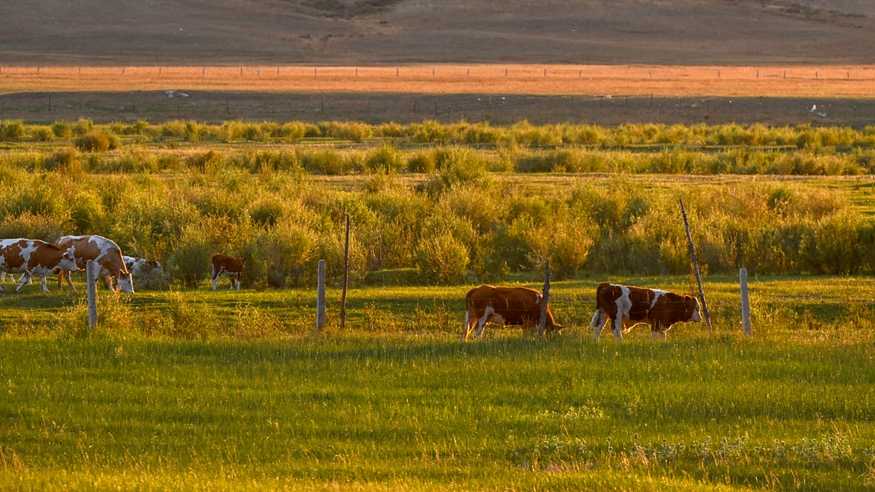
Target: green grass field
192, 389
227, 390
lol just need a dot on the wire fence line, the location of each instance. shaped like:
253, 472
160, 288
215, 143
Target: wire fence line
446, 72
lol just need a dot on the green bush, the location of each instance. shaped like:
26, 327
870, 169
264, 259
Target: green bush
66, 161
33, 226
62, 130
11, 131
96, 141
42, 134
442, 259
266, 212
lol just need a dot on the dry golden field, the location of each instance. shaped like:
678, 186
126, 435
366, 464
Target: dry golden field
596, 80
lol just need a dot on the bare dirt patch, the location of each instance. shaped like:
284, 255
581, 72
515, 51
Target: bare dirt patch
407, 107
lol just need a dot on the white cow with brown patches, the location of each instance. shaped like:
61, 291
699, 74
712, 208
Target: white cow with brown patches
106, 253
34, 258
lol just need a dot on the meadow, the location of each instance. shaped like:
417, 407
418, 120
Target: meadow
183, 387
226, 390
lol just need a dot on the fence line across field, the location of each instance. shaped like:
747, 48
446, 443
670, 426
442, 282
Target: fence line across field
451, 72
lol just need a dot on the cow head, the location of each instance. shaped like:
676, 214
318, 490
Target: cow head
68, 261
126, 282
692, 310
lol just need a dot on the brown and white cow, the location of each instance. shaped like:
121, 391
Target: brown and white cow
506, 305
627, 306
106, 253
226, 265
34, 257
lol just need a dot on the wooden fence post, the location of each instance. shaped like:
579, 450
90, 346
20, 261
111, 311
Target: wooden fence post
745, 301
320, 296
345, 276
91, 274
545, 300
695, 261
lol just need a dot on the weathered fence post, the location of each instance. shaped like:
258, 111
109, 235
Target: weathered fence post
745, 301
91, 274
320, 296
695, 262
545, 300
345, 276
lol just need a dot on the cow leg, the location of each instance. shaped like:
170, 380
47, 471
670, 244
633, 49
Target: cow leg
481, 323
618, 327
44, 282
658, 331
466, 331
69, 277
214, 281
237, 281
23, 281
598, 323
107, 279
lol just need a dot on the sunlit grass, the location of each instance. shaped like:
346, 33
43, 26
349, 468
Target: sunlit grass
398, 403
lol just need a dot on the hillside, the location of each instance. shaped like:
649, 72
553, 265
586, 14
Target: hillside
410, 31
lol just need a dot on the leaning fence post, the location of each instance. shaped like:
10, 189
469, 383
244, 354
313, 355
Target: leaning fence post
320, 295
745, 301
345, 276
91, 290
695, 262
545, 300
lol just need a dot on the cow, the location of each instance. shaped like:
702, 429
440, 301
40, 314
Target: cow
623, 305
34, 257
140, 267
106, 253
506, 305
226, 265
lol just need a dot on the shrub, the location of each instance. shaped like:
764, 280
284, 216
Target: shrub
456, 167
289, 248
41, 134
423, 162
328, 162
33, 226
442, 259
65, 161
11, 131
96, 141
266, 212
62, 130
83, 126
190, 260
386, 159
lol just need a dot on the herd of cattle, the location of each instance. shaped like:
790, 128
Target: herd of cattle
36, 258
621, 305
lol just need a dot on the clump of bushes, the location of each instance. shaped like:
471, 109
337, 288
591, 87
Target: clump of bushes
96, 141
11, 131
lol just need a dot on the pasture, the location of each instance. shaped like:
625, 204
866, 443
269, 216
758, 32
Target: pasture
226, 390
183, 387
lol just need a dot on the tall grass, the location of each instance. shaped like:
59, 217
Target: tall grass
435, 133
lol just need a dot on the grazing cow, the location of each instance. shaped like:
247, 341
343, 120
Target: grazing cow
140, 267
106, 253
623, 305
34, 257
506, 305
226, 265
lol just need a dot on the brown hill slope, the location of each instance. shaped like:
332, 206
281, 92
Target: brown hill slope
465, 31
